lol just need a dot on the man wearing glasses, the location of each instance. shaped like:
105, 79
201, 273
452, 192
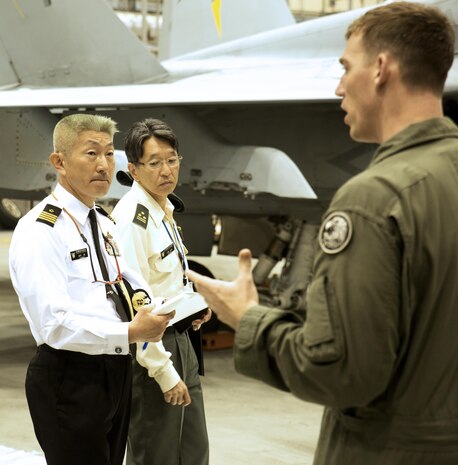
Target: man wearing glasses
160, 434
67, 270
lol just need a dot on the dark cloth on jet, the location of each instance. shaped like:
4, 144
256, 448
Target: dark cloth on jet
379, 346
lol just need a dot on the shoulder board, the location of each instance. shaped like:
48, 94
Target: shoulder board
104, 213
141, 216
49, 215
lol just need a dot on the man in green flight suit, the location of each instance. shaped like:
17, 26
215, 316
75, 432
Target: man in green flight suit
379, 347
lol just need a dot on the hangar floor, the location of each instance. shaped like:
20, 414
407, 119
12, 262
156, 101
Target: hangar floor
248, 422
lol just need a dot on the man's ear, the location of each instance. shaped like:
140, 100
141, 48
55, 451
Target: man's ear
382, 70
133, 170
57, 161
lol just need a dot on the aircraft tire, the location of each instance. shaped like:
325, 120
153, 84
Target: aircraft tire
10, 213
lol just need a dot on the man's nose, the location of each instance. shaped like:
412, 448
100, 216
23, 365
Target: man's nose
165, 168
340, 89
102, 163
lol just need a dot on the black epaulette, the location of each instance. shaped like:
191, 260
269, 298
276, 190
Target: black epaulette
141, 216
49, 215
104, 213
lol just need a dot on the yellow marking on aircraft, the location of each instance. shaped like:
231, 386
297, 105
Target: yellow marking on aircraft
18, 9
216, 7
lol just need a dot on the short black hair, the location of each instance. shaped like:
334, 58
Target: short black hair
142, 131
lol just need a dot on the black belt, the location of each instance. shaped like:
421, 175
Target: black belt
46, 348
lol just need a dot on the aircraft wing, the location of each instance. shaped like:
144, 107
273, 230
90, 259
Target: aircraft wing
303, 81
257, 116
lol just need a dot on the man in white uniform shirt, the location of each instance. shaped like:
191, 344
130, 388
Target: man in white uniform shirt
160, 434
70, 288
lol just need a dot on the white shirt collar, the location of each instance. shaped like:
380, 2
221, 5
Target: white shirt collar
155, 211
75, 207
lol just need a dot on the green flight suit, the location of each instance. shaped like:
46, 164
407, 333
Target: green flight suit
379, 347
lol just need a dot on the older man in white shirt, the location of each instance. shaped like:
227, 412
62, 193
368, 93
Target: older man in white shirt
70, 288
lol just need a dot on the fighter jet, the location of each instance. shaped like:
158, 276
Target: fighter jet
249, 92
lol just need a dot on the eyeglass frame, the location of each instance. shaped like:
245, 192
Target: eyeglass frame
166, 161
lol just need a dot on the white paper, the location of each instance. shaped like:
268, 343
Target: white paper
185, 304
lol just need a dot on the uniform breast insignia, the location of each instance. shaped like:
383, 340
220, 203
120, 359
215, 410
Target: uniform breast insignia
167, 251
140, 299
49, 215
335, 232
141, 216
110, 245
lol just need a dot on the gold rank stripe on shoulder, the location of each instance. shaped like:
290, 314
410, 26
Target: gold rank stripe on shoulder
49, 215
141, 216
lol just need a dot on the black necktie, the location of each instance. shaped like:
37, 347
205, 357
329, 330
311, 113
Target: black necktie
111, 294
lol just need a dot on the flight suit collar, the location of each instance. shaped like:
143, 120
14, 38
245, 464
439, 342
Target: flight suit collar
155, 211
75, 207
414, 135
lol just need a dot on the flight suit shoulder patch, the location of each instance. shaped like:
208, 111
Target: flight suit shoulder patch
141, 216
49, 215
335, 232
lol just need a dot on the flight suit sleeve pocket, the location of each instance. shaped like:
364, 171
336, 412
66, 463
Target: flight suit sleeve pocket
320, 337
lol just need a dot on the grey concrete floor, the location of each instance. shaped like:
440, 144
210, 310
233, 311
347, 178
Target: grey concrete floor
248, 422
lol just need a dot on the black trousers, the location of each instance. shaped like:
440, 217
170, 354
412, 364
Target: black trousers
80, 405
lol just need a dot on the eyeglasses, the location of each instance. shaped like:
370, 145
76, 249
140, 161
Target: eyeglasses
171, 162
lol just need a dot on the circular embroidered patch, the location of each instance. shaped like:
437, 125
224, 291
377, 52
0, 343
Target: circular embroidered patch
335, 232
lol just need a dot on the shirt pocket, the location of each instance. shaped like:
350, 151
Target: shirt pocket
80, 278
168, 264
80, 269
322, 335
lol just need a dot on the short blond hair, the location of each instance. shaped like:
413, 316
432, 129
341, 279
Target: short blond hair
69, 128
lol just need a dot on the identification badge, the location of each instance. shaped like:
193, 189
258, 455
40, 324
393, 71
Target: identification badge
77, 254
167, 251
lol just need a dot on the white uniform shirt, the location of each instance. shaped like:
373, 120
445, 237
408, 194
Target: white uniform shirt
64, 307
147, 243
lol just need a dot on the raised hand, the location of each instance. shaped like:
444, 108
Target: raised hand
229, 299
